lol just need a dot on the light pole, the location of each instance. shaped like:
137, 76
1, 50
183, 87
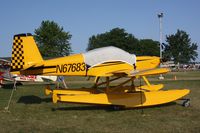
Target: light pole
160, 16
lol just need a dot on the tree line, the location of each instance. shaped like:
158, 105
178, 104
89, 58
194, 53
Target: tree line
53, 41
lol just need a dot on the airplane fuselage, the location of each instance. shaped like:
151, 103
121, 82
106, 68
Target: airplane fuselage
27, 60
75, 65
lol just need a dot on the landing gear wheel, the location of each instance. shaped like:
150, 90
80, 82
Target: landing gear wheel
186, 103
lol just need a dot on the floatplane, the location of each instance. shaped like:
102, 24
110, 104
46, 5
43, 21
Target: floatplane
110, 63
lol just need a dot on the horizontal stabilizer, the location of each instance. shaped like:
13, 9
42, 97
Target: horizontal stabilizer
31, 64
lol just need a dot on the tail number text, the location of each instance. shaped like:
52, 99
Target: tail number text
74, 67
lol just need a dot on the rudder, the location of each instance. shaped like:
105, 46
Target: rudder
25, 52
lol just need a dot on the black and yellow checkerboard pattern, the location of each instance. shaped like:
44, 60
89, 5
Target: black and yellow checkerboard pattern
17, 62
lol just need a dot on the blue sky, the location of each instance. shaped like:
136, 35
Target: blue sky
84, 18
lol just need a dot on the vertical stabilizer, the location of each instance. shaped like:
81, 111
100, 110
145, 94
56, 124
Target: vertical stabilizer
25, 52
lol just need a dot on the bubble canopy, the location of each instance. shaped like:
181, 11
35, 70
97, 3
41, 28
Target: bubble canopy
108, 54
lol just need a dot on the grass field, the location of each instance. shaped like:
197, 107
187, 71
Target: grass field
32, 111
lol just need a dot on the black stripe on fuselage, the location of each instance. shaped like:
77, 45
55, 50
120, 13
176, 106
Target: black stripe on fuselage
109, 64
142, 60
40, 67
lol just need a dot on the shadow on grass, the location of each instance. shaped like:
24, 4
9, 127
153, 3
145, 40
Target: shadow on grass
109, 108
31, 99
89, 107
161, 105
10, 85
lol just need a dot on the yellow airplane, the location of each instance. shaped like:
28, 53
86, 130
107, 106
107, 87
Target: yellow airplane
109, 62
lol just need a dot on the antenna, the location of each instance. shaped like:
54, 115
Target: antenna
160, 16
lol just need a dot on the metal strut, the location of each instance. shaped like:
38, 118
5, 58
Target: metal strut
102, 83
141, 97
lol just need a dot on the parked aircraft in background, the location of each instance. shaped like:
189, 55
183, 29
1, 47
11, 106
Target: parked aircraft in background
5, 75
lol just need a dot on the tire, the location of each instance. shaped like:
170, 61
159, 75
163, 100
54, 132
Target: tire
186, 103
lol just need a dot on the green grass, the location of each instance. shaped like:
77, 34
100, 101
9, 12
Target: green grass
32, 111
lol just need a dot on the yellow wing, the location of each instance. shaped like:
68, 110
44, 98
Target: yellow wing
110, 69
154, 71
135, 73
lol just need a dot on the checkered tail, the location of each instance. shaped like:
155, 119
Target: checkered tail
17, 62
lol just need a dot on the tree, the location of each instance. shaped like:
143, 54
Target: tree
180, 47
120, 38
149, 47
52, 40
116, 37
